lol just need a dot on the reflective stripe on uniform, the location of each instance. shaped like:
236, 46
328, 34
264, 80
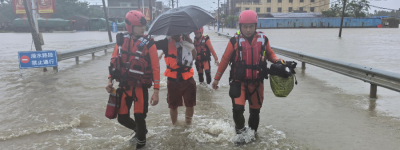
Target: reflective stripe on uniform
135, 71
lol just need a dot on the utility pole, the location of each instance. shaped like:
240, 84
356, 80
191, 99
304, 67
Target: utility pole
35, 35
229, 6
151, 10
172, 4
143, 7
226, 14
34, 27
341, 22
108, 25
35, 15
218, 17
177, 3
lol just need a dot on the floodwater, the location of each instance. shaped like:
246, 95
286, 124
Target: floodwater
65, 110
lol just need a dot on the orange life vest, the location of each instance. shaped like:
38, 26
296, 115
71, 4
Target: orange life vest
249, 55
132, 65
173, 69
203, 53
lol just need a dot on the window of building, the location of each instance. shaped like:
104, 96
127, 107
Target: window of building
312, 1
279, 1
279, 9
301, 8
268, 9
290, 1
268, 1
301, 1
290, 9
311, 9
247, 8
258, 9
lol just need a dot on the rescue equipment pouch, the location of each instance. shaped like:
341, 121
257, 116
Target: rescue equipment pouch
264, 70
115, 68
239, 71
205, 56
235, 89
114, 103
136, 71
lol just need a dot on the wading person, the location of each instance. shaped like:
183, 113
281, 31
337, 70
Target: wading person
135, 66
180, 82
247, 52
204, 50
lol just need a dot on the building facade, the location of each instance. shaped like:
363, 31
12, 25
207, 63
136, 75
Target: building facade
283, 6
119, 8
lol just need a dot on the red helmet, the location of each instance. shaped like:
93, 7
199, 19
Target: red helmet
199, 31
248, 16
134, 18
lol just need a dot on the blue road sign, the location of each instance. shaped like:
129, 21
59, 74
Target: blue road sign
114, 27
37, 59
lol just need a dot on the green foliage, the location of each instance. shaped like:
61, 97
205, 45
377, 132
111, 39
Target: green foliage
6, 11
232, 19
67, 8
329, 13
354, 8
386, 13
358, 8
96, 13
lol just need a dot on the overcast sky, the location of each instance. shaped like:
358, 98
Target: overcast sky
209, 5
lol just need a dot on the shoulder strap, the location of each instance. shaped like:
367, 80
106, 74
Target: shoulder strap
144, 41
239, 47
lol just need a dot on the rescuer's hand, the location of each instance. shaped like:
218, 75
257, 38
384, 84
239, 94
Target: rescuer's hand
217, 62
109, 87
215, 84
154, 98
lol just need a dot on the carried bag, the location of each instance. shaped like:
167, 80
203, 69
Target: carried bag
282, 78
114, 103
184, 54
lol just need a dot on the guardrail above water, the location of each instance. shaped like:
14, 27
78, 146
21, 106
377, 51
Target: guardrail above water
84, 51
375, 77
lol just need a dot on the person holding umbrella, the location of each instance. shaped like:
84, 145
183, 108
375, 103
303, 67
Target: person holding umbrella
247, 52
180, 84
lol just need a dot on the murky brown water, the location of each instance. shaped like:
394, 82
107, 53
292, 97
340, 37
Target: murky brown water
66, 110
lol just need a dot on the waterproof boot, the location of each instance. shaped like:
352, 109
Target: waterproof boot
201, 78
134, 138
140, 144
240, 140
254, 119
208, 77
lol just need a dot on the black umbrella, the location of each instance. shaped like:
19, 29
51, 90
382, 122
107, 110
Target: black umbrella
180, 20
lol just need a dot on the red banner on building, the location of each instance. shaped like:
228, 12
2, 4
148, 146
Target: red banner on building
19, 7
46, 6
146, 13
